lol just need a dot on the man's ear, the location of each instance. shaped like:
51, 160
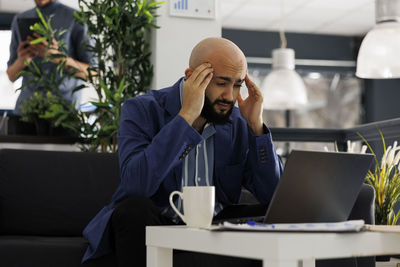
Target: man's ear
188, 73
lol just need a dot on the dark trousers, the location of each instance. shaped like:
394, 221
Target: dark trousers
132, 215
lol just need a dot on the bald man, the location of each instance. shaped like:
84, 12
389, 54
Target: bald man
190, 134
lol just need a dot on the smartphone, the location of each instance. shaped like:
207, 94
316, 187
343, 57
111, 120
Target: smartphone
24, 25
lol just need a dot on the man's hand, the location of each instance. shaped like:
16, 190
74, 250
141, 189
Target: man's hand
41, 48
25, 52
251, 107
194, 92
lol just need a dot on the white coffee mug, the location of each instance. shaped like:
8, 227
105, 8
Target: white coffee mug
198, 205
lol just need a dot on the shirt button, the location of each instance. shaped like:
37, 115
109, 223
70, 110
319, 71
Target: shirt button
198, 179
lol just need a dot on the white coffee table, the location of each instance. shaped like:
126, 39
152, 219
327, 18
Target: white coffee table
274, 249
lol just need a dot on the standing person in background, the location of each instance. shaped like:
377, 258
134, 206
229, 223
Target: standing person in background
74, 38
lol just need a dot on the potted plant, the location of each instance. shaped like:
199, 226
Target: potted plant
40, 108
37, 108
119, 30
385, 179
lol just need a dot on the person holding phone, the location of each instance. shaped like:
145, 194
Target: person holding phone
22, 53
189, 134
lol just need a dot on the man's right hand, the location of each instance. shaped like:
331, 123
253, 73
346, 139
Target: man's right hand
194, 92
25, 52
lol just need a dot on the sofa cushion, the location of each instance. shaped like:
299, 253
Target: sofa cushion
53, 193
32, 251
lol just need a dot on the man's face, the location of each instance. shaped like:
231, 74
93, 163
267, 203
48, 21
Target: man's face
42, 3
223, 90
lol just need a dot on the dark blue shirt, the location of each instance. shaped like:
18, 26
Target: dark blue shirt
74, 39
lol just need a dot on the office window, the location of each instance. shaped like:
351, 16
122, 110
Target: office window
8, 95
334, 102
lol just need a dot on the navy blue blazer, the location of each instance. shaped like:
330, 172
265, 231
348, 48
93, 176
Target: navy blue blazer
152, 141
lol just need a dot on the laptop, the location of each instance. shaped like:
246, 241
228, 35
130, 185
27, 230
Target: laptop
316, 186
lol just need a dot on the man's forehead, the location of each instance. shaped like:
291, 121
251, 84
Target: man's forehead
229, 79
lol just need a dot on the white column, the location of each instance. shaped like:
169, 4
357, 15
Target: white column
172, 43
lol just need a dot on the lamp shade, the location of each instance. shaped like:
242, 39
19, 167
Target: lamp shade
283, 88
379, 53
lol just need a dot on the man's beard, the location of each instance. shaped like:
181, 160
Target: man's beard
211, 115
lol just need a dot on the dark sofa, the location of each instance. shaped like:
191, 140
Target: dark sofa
46, 200
48, 197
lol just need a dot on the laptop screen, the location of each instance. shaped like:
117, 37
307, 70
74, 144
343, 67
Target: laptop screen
318, 186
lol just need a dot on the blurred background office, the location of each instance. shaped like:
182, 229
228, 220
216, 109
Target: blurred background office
324, 38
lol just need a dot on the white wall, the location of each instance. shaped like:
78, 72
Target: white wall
172, 43
18, 6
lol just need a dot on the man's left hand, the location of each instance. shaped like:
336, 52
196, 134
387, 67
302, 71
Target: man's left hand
41, 49
251, 108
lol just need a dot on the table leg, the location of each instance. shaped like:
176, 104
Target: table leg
308, 263
159, 257
275, 263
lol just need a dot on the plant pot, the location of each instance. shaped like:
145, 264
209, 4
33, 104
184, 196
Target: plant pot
43, 127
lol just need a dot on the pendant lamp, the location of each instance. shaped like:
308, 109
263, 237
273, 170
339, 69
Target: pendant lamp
379, 55
283, 88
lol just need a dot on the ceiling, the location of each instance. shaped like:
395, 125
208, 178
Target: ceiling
336, 17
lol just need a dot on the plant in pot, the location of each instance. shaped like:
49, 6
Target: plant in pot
37, 110
119, 31
385, 179
40, 107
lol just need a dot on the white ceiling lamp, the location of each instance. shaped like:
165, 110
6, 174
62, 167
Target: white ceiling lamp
379, 55
283, 88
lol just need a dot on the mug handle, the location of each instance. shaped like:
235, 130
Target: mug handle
171, 202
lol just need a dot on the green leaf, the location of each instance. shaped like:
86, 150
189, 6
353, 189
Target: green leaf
100, 104
109, 20
140, 6
106, 90
42, 19
149, 15
156, 4
38, 40
122, 85
36, 67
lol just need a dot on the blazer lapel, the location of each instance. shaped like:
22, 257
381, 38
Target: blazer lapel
172, 105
